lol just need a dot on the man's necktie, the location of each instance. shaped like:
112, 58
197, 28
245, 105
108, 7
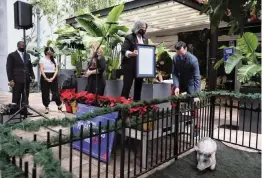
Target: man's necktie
22, 56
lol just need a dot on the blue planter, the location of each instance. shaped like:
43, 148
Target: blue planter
103, 119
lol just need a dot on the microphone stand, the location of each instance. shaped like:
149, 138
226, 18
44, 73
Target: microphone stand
96, 59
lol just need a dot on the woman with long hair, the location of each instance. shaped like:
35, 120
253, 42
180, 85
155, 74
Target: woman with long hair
97, 66
48, 81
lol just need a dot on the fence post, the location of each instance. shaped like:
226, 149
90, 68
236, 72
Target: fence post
177, 114
212, 116
123, 135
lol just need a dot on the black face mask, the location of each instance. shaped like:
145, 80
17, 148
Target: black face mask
21, 49
142, 32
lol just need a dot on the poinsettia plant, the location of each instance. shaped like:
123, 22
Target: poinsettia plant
81, 97
68, 95
84, 97
142, 110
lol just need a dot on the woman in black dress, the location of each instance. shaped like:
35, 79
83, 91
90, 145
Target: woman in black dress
91, 72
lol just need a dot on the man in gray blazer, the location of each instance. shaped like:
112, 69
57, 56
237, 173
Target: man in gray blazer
186, 74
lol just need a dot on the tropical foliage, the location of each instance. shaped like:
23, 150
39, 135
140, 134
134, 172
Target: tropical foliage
97, 30
244, 53
237, 12
70, 43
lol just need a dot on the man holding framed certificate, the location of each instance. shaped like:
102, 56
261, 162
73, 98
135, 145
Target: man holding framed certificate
129, 51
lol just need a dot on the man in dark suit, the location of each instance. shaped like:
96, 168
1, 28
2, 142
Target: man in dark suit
129, 53
186, 74
17, 66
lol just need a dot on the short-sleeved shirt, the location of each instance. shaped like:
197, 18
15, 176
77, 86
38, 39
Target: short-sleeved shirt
49, 66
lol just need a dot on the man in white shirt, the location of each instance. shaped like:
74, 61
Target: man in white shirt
129, 52
20, 73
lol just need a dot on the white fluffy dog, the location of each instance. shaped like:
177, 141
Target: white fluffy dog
206, 154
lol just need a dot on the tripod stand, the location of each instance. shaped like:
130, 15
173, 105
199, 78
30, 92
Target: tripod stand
25, 105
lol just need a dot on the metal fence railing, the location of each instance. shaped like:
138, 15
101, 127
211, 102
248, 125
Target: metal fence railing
133, 146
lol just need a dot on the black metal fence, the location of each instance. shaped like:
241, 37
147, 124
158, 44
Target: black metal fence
142, 144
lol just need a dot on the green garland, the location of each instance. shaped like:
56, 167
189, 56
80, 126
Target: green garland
43, 156
8, 170
12, 146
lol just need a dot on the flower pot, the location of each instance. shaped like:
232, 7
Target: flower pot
68, 107
148, 126
113, 88
74, 106
156, 91
81, 84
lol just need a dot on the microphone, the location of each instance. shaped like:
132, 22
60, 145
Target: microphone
112, 23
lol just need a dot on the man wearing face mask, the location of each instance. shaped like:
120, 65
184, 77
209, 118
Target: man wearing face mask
129, 53
16, 67
186, 74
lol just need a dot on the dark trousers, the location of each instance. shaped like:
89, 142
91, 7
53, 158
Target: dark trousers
45, 89
129, 76
18, 91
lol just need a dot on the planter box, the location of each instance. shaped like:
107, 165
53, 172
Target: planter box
113, 88
249, 118
104, 153
81, 84
64, 74
156, 91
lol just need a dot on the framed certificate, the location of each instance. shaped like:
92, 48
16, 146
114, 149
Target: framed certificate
146, 61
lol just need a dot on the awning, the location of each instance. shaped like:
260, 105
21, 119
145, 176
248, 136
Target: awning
161, 15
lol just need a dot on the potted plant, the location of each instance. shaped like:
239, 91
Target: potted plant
70, 43
96, 29
69, 99
249, 74
246, 55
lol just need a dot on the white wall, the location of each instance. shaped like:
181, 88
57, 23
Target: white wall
3, 44
9, 37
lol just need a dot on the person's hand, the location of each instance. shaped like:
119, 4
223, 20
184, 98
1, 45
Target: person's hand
49, 80
134, 53
11, 83
176, 91
87, 74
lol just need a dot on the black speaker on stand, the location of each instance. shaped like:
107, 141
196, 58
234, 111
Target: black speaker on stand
23, 20
23, 15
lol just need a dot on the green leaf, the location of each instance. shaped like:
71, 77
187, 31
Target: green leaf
115, 13
217, 16
219, 63
90, 26
247, 43
232, 61
258, 54
222, 47
248, 71
74, 59
205, 9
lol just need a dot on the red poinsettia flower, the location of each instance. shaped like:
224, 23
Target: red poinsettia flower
81, 94
90, 98
68, 95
